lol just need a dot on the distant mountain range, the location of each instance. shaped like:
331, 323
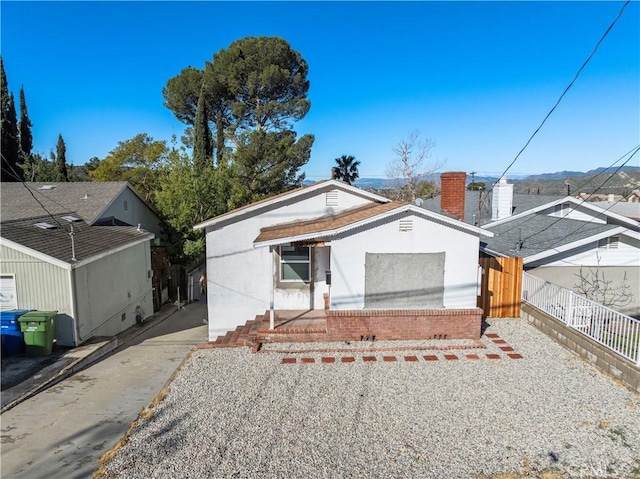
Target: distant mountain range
562, 175
628, 178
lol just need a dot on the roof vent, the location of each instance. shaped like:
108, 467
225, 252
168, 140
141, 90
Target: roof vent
71, 219
85, 197
46, 226
46, 187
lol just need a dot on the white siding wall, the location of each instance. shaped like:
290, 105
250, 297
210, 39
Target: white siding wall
461, 259
42, 286
113, 286
239, 275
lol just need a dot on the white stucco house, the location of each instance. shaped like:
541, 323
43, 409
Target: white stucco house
333, 247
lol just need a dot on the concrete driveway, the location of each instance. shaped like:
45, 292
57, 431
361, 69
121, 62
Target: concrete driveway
61, 432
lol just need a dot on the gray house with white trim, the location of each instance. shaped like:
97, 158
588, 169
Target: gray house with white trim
81, 260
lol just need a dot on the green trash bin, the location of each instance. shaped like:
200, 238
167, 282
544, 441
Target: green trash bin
38, 328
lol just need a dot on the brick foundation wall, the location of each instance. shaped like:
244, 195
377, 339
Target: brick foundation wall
404, 324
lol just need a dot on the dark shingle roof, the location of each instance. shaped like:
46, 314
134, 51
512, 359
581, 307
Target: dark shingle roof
56, 243
87, 199
521, 203
540, 233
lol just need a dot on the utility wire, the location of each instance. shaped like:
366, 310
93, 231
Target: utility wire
565, 90
631, 152
15, 175
583, 201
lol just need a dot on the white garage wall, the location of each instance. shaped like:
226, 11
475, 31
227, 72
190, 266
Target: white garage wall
348, 259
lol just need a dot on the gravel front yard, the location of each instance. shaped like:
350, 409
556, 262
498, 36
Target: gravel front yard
231, 413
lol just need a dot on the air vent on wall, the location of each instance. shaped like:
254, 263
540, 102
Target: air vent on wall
332, 198
406, 225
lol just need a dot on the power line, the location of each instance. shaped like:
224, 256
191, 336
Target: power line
15, 175
565, 90
631, 152
583, 201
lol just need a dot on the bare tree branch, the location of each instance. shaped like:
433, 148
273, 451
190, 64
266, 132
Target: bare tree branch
412, 166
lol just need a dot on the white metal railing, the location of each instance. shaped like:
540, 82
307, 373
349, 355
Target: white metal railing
616, 331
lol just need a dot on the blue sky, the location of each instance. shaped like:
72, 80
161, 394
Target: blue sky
476, 77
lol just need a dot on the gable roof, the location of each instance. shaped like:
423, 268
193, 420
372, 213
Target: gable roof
539, 236
330, 225
288, 195
590, 207
86, 199
54, 245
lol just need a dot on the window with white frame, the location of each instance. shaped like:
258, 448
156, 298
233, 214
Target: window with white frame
295, 263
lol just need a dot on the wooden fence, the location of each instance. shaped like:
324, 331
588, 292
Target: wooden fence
501, 287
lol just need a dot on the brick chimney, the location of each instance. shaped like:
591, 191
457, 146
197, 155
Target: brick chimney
452, 193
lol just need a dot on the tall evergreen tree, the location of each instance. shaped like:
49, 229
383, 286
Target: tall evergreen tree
9, 132
26, 140
202, 138
61, 160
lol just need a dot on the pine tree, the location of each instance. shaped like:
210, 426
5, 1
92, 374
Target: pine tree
203, 140
61, 160
9, 130
26, 140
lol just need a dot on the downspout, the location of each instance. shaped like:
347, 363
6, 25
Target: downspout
74, 305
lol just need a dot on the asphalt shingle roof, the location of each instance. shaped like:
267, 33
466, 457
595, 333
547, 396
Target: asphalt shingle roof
325, 223
628, 209
540, 233
56, 243
86, 199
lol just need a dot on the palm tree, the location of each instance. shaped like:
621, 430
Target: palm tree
346, 169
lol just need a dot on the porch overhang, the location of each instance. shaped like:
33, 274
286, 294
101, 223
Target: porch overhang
326, 227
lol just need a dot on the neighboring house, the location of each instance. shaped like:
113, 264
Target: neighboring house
481, 209
80, 260
630, 209
333, 246
558, 239
97, 203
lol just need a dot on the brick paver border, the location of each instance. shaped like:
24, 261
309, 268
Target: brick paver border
501, 343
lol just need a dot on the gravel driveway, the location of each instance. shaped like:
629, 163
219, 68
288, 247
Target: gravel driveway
231, 413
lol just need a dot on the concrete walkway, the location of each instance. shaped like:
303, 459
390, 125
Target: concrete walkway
62, 431
24, 376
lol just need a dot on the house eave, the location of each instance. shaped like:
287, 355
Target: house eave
69, 265
293, 194
574, 245
35, 253
401, 209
